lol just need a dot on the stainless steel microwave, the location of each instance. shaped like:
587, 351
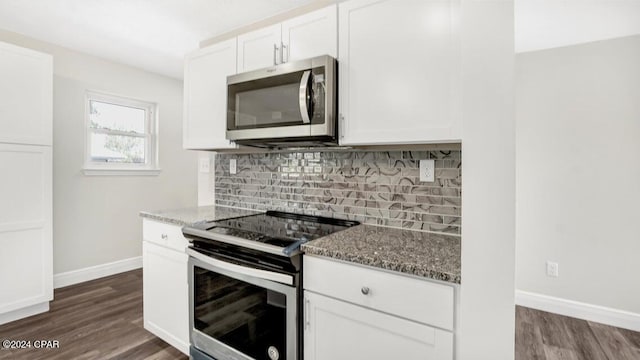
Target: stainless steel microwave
291, 104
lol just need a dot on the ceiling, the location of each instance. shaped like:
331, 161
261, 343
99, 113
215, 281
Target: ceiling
149, 34
155, 34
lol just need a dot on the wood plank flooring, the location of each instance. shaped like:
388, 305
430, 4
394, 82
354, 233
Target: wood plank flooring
102, 319
544, 336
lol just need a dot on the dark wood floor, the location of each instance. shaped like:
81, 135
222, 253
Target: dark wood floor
545, 336
102, 319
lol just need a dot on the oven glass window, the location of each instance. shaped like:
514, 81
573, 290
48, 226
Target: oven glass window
248, 318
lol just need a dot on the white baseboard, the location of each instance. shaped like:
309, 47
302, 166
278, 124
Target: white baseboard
23, 313
579, 310
96, 272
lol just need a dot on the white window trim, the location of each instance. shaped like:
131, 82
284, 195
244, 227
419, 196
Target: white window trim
151, 165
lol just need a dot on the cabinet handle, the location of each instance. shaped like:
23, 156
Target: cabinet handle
284, 50
164, 236
275, 54
341, 126
307, 321
364, 290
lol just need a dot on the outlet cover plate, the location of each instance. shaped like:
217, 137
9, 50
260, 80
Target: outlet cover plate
552, 269
427, 170
232, 167
204, 166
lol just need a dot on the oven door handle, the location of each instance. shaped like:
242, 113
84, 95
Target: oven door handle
216, 264
302, 97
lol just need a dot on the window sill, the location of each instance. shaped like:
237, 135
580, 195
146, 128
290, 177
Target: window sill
120, 172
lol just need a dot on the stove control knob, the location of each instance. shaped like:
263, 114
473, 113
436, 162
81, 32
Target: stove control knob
273, 353
364, 290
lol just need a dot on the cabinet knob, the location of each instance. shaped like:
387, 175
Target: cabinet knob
164, 236
364, 290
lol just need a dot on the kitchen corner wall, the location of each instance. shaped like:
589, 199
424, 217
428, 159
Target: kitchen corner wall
578, 174
95, 218
374, 187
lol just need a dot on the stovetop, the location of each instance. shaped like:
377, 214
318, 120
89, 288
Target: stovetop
274, 232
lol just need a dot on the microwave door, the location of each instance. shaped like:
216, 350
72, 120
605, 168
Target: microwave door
274, 107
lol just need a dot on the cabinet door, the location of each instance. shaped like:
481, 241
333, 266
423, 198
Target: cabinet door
399, 71
310, 35
26, 255
166, 294
259, 49
26, 95
338, 330
205, 96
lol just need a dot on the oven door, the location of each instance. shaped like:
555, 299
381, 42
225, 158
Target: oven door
241, 313
292, 100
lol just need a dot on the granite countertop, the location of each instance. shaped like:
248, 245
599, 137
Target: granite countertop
192, 215
429, 255
418, 253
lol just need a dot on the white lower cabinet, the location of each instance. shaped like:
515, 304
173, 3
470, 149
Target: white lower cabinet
355, 312
165, 286
339, 330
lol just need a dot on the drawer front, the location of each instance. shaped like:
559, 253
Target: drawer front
164, 234
419, 300
330, 326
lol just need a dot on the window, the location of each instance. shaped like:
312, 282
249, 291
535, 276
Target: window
120, 136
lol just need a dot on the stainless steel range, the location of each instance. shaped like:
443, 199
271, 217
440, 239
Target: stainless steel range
245, 284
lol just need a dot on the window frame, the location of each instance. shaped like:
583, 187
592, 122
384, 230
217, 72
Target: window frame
150, 166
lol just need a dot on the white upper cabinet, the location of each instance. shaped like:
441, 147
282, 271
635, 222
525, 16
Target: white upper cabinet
399, 67
26, 93
206, 70
259, 49
205, 96
310, 35
302, 37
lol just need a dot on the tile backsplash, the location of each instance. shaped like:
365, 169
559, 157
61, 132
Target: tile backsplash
373, 187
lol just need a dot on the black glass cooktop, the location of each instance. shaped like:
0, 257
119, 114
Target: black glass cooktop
279, 228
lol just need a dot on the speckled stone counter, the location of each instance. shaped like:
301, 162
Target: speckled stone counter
188, 216
418, 253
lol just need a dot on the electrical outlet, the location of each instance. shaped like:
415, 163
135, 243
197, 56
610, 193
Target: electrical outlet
204, 166
232, 166
552, 269
427, 170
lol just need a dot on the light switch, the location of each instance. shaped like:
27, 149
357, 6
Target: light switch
204, 166
427, 170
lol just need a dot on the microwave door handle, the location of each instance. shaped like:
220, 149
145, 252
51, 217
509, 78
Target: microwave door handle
302, 97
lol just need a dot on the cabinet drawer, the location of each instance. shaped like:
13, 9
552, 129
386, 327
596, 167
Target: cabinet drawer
338, 330
419, 300
164, 234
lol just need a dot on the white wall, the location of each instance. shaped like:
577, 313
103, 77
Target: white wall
578, 172
95, 218
545, 24
487, 312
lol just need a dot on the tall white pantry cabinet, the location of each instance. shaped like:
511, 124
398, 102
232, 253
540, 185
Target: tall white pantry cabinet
26, 239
